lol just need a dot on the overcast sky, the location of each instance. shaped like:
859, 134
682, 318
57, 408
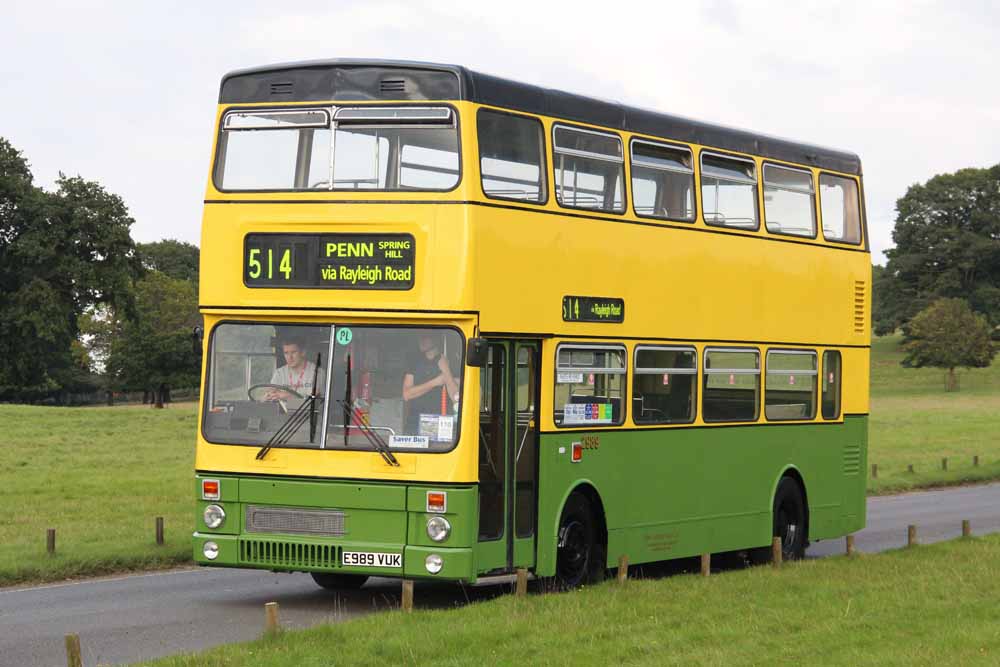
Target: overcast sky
124, 92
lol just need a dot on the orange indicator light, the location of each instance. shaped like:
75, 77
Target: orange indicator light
437, 501
210, 489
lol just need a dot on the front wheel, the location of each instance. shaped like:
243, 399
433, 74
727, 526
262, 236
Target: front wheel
580, 553
339, 582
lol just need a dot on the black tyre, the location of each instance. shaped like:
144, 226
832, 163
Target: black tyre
788, 523
580, 553
339, 582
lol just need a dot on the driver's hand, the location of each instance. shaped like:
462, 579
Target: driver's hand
443, 365
276, 395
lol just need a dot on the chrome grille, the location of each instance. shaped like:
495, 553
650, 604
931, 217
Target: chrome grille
288, 554
295, 521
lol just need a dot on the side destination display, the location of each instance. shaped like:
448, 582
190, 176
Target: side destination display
593, 309
330, 261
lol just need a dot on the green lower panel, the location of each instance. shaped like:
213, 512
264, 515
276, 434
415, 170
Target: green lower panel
458, 563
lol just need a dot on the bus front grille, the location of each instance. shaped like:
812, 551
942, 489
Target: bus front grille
288, 554
295, 521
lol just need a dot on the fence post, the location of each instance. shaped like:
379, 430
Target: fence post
975, 461
706, 564
73, 658
874, 471
50, 541
944, 463
622, 569
406, 603
911, 535
159, 531
776, 552
850, 545
966, 528
522, 582
909, 468
271, 625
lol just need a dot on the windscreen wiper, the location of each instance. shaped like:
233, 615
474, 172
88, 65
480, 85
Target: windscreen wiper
306, 411
373, 438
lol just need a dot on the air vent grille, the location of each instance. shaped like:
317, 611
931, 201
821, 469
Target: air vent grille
852, 459
295, 520
860, 299
289, 554
392, 86
282, 88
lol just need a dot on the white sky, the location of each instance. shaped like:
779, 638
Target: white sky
124, 92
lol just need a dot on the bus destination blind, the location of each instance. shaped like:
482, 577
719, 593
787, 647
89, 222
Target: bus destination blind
593, 309
329, 261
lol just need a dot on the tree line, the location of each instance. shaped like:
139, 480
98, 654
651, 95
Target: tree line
83, 307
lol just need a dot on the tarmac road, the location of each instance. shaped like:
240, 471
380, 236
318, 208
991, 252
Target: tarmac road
130, 618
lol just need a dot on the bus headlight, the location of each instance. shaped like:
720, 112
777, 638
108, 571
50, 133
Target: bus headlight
438, 528
214, 516
211, 550
434, 563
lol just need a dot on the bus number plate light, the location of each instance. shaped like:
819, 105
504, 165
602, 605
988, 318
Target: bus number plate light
437, 501
209, 489
576, 454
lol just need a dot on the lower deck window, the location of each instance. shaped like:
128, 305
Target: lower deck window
590, 386
791, 385
663, 387
831, 384
731, 390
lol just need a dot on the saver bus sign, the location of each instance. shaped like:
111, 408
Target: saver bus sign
331, 261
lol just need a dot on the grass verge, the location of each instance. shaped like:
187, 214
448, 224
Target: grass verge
99, 476
922, 606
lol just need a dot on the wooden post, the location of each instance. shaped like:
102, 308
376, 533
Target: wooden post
850, 545
944, 463
975, 461
407, 600
50, 541
622, 569
271, 625
73, 658
966, 528
706, 564
776, 552
909, 468
874, 471
522, 582
159, 531
911, 535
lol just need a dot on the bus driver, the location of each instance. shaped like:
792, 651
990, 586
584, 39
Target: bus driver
431, 371
297, 374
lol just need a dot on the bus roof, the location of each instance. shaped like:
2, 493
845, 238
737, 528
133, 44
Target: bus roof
349, 79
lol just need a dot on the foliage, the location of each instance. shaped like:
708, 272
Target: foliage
947, 239
154, 348
61, 254
947, 334
177, 259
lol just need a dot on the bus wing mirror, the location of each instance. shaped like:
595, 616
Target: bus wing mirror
197, 340
478, 349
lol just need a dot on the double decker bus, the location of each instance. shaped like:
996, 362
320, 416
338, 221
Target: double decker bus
459, 325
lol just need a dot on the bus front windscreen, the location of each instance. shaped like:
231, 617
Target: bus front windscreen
334, 387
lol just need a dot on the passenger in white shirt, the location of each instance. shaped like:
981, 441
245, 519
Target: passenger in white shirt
297, 374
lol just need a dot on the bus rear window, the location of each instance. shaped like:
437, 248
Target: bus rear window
372, 148
590, 386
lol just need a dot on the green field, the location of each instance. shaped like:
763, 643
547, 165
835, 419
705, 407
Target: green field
100, 476
923, 606
915, 422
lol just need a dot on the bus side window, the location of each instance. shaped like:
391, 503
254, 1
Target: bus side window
731, 391
729, 191
589, 169
511, 157
590, 385
790, 388
831, 384
663, 385
841, 209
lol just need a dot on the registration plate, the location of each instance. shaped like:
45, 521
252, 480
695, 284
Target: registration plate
373, 559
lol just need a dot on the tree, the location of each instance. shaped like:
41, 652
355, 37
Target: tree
176, 259
61, 254
947, 239
154, 350
947, 334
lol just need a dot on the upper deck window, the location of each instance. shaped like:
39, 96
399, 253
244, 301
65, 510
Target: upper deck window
511, 157
841, 209
589, 169
789, 201
662, 181
346, 148
729, 191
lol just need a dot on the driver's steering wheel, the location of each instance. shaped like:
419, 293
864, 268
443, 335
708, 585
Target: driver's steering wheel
268, 385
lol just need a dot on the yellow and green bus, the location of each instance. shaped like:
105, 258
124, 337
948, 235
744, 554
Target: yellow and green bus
458, 325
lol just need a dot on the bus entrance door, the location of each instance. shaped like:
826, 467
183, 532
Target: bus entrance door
508, 456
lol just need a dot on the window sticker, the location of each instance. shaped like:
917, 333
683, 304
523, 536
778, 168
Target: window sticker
590, 379
791, 379
409, 441
587, 413
666, 379
440, 428
344, 336
565, 377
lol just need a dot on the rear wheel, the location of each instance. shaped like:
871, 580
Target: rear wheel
339, 582
580, 554
788, 523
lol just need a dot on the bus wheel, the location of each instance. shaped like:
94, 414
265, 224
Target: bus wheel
789, 523
580, 553
339, 582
